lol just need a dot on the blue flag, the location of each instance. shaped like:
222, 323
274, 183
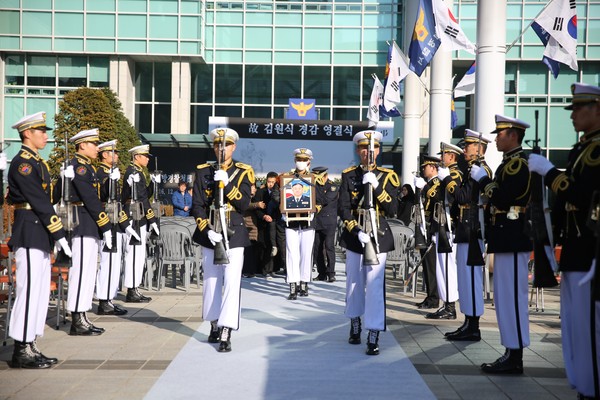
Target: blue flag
424, 42
453, 115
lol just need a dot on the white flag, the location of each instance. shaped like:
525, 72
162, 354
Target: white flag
375, 102
398, 69
559, 20
466, 86
448, 29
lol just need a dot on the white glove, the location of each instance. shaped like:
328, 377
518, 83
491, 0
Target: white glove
155, 178
370, 177
214, 237
115, 175
107, 237
132, 232
311, 216
539, 164
477, 173
419, 182
3, 162
154, 227
443, 173
133, 178
283, 218
273, 251
63, 245
363, 237
222, 176
68, 173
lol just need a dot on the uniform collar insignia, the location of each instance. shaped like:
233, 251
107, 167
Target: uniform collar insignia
83, 159
589, 136
29, 150
512, 153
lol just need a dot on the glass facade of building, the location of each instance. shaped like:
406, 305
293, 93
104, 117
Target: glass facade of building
247, 58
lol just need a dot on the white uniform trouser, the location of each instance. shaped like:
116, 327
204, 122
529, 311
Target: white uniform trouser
221, 288
135, 259
510, 298
28, 316
365, 290
82, 274
575, 306
299, 251
107, 281
446, 274
470, 282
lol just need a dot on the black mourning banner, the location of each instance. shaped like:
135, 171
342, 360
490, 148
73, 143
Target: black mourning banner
266, 128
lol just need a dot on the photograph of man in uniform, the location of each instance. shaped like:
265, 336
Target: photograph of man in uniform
298, 199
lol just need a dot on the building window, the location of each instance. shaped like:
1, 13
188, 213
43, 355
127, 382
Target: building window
153, 97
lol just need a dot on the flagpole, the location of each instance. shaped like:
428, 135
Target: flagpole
527, 27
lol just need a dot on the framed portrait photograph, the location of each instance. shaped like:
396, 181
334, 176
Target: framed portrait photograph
297, 194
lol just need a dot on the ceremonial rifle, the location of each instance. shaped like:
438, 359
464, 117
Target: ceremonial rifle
474, 255
367, 216
538, 223
218, 213
441, 216
136, 211
113, 207
155, 204
417, 216
66, 212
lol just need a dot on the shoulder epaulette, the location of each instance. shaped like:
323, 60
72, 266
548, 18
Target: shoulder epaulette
352, 168
242, 165
200, 166
26, 155
383, 169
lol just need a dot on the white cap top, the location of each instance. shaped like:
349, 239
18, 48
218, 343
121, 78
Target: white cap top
217, 135
450, 148
32, 121
303, 153
108, 146
143, 149
474, 136
88, 135
363, 137
503, 122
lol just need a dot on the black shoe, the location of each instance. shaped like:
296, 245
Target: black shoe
94, 327
443, 313
581, 396
373, 343
466, 335
293, 292
355, 330
36, 350
215, 332
24, 357
511, 363
133, 296
225, 340
459, 329
321, 277
118, 309
331, 279
80, 327
429, 303
105, 307
303, 289
145, 299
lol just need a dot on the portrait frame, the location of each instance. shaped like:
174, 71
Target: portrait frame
289, 187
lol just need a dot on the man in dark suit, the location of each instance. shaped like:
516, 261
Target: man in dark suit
266, 225
325, 226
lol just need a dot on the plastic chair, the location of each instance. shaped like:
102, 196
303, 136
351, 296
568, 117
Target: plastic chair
59, 277
177, 249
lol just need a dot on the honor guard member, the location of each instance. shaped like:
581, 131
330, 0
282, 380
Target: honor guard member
432, 194
299, 235
221, 281
451, 178
470, 275
137, 191
509, 194
325, 225
365, 284
93, 225
109, 273
35, 228
574, 188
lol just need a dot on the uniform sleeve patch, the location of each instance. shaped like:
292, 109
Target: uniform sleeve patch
25, 169
81, 170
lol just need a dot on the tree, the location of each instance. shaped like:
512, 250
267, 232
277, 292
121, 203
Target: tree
87, 108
